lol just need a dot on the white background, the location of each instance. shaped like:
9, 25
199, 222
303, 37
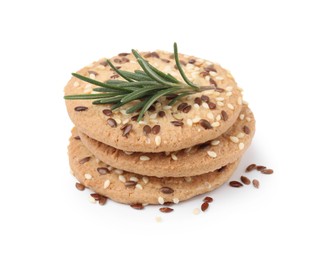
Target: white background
278, 51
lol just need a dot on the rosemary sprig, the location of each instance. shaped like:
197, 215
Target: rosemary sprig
146, 85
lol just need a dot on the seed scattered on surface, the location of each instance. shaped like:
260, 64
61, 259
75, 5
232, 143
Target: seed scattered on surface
251, 167
84, 160
119, 171
215, 142
260, 168
166, 190
146, 130
103, 170
176, 200
204, 206
106, 184
158, 219
145, 179
230, 106
267, 171
245, 180
127, 129
205, 98
174, 157
224, 115
212, 105
158, 140
161, 113
122, 178
88, 176
112, 122
241, 146
186, 109
155, 129
161, 200
256, 183
205, 124
234, 139
80, 108
79, 186
166, 209
144, 158
102, 200
130, 183
198, 101
235, 184
212, 154
208, 199
177, 123
137, 206
181, 106
107, 112
246, 130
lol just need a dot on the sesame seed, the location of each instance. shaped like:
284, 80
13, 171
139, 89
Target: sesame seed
167, 107
228, 94
153, 116
207, 77
230, 106
212, 154
219, 78
187, 179
133, 178
174, 157
128, 153
248, 119
92, 76
207, 185
118, 171
76, 84
240, 135
91, 199
138, 187
213, 73
144, 158
142, 122
196, 119
161, 200
239, 101
210, 115
88, 88
218, 117
221, 104
145, 179
241, 146
219, 98
229, 88
158, 219
188, 150
234, 139
196, 211
215, 124
241, 116
205, 105
88, 176
215, 142
122, 178
196, 106
189, 122
158, 140
106, 184
176, 200
125, 121
118, 121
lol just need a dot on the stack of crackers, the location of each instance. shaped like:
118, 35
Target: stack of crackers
175, 152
